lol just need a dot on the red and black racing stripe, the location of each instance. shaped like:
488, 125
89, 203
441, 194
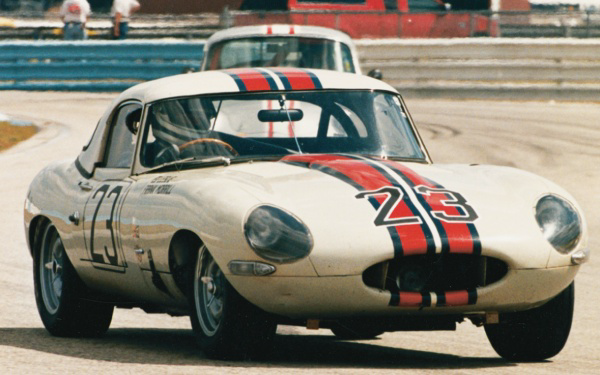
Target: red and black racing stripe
443, 299
292, 30
298, 79
411, 299
457, 298
456, 237
366, 176
252, 79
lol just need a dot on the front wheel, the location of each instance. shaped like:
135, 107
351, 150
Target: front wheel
536, 334
59, 293
226, 325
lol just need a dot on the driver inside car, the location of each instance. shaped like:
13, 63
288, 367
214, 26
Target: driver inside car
182, 129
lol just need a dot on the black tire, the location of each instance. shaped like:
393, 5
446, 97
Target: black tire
355, 331
536, 334
226, 325
59, 293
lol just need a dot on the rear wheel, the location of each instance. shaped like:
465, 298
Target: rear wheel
536, 334
226, 325
59, 292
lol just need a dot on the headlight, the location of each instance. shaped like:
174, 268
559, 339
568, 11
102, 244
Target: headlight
559, 222
276, 235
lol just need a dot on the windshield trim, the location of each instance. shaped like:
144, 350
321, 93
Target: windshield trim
219, 44
186, 164
138, 168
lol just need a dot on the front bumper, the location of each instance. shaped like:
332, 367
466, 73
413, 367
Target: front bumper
344, 296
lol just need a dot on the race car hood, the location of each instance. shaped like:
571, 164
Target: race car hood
365, 211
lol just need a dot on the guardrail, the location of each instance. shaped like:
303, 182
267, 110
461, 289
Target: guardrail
557, 69
93, 65
453, 68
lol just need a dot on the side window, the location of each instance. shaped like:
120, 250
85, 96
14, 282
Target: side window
347, 62
394, 127
121, 142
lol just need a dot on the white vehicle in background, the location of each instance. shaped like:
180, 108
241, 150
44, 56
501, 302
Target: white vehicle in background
282, 45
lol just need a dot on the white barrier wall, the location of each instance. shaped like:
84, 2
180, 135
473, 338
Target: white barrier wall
564, 69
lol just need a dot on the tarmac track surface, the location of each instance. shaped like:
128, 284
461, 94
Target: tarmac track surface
559, 141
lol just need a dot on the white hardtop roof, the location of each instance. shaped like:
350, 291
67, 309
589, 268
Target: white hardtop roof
221, 81
279, 30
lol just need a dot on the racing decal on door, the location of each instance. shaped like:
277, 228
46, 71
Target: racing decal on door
255, 79
101, 227
421, 216
431, 299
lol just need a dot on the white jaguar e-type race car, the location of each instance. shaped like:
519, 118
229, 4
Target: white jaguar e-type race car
253, 197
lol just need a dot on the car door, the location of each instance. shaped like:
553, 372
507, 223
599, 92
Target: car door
107, 191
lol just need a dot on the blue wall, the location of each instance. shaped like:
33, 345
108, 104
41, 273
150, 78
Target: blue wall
93, 65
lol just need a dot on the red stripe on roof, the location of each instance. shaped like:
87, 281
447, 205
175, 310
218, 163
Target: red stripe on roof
292, 30
269, 30
299, 79
253, 79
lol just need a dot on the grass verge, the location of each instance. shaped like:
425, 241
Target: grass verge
11, 134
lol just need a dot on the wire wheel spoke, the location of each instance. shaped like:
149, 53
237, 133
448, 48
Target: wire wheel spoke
208, 289
51, 269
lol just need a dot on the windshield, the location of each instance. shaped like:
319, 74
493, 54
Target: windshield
280, 51
274, 124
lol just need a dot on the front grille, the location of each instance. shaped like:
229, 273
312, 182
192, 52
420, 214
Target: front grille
435, 273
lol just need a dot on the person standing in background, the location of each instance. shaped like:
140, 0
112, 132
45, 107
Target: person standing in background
121, 11
74, 14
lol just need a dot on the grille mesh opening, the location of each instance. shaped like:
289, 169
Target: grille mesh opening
435, 273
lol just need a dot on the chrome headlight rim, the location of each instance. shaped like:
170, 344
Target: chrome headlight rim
572, 243
269, 251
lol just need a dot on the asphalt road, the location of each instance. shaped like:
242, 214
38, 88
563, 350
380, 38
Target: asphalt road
557, 140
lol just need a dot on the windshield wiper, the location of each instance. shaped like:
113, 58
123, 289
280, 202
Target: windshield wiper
177, 164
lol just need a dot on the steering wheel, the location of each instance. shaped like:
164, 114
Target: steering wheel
167, 152
207, 141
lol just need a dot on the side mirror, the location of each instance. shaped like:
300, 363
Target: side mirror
375, 73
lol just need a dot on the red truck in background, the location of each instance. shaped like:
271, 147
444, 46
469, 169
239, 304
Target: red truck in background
377, 18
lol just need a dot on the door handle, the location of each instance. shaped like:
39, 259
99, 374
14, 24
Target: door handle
84, 185
74, 218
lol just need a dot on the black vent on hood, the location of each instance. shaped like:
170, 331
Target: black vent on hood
435, 273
